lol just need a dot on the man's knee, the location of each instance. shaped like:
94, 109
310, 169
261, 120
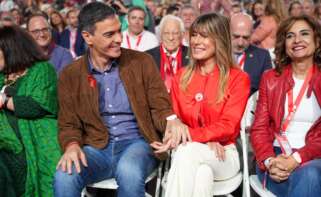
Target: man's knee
65, 180
130, 173
310, 173
130, 179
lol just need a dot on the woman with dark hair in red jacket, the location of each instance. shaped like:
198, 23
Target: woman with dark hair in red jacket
286, 134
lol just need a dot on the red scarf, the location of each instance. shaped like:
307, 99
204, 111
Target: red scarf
167, 68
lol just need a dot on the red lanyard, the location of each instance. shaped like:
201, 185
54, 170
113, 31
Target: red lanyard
171, 63
137, 43
293, 107
242, 60
73, 38
167, 61
167, 69
169, 66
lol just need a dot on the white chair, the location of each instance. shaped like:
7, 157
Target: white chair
247, 121
258, 188
112, 184
226, 187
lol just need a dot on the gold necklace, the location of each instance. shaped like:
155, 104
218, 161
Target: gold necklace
14, 78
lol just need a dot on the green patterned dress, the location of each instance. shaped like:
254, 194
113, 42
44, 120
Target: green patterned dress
29, 150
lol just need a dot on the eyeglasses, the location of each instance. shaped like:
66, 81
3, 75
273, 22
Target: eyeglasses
37, 32
174, 34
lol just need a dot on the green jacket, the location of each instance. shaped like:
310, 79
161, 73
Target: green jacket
39, 136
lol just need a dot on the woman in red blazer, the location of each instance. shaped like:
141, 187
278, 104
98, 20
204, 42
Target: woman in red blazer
209, 96
286, 134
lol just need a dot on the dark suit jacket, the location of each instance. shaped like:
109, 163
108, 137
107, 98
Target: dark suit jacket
257, 61
155, 52
79, 119
64, 41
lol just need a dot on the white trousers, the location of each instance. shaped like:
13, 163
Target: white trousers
195, 167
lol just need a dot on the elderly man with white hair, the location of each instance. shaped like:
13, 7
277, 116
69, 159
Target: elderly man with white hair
171, 55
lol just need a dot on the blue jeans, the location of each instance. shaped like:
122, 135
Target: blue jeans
128, 161
305, 181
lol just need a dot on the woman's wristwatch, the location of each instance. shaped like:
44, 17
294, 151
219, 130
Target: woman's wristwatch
267, 162
297, 157
171, 117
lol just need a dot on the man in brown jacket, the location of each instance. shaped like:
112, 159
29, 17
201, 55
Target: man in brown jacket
112, 101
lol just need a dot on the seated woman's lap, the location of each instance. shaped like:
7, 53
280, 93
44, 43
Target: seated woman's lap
200, 154
303, 181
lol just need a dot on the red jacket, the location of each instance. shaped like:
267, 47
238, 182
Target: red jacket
207, 120
270, 112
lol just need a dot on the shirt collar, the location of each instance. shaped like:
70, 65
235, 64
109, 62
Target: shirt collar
93, 70
135, 37
238, 54
71, 29
171, 54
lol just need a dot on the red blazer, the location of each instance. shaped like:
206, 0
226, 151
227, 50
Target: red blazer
270, 111
207, 120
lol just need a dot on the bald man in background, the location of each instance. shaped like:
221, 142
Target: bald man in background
253, 60
250, 58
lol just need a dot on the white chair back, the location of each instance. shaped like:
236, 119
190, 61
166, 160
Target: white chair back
252, 181
246, 123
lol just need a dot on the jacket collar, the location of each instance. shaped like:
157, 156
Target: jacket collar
93, 92
287, 73
84, 62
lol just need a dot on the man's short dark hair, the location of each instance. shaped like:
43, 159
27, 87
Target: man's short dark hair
171, 9
33, 16
92, 13
134, 8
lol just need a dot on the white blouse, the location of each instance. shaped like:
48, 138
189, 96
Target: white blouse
307, 113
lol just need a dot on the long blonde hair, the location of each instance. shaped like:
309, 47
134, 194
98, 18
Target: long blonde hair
217, 27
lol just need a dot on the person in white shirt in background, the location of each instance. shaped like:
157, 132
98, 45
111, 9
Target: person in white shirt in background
135, 37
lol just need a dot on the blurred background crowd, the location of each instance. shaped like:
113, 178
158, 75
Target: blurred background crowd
62, 15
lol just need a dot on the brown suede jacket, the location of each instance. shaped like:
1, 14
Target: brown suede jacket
79, 119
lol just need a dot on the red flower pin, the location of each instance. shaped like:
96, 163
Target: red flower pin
92, 81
